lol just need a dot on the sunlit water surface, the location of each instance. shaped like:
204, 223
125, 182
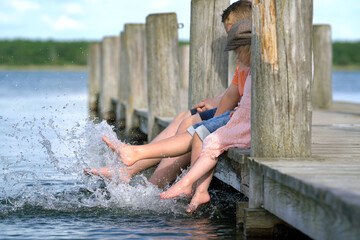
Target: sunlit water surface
46, 140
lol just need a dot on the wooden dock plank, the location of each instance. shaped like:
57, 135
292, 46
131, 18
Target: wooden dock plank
319, 195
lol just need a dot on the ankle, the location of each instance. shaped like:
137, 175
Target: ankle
202, 191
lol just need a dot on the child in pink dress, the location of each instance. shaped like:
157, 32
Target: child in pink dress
236, 133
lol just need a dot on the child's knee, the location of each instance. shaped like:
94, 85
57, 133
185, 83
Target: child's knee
188, 122
183, 115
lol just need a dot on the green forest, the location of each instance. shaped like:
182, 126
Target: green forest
53, 53
60, 53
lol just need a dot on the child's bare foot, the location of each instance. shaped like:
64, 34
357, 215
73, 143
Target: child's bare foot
109, 173
198, 199
126, 153
180, 188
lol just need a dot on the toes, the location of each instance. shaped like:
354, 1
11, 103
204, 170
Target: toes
90, 172
86, 171
192, 208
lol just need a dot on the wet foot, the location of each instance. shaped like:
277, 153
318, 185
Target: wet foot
109, 173
198, 199
126, 152
181, 188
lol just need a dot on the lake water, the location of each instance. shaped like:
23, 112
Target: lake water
46, 140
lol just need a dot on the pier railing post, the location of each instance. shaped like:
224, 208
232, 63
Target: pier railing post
110, 56
322, 85
163, 68
281, 85
134, 93
94, 61
208, 61
184, 55
281, 78
123, 89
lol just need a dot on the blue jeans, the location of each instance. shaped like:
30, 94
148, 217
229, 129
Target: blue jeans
206, 127
204, 115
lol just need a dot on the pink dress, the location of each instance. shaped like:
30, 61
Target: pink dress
236, 133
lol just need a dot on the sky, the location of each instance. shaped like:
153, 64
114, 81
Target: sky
94, 19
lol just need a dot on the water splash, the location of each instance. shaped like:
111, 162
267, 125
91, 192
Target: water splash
48, 171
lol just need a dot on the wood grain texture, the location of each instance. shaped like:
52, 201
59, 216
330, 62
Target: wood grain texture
110, 62
322, 84
259, 223
208, 61
134, 45
184, 64
94, 63
319, 195
316, 219
163, 68
281, 78
124, 84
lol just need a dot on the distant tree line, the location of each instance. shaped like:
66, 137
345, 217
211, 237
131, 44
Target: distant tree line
57, 53
346, 53
27, 52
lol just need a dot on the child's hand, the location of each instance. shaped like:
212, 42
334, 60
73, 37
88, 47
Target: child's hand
206, 104
232, 113
200, 107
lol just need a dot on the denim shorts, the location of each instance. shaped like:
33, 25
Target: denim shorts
204, 128
204, 115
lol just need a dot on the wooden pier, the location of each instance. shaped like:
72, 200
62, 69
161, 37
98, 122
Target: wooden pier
304, 165
319, 195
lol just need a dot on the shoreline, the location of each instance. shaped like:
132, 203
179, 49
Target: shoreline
346, 68
45, 67
85, 67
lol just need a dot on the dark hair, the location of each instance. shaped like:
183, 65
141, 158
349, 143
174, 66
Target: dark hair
234, 7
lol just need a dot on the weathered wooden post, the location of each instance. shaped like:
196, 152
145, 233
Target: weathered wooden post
281, 78
110, 56
322, 85
94, 63
184, 58
163, 68
124, 85
208, 61
281, 82
133, 84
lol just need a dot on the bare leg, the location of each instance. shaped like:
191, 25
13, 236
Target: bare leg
195, 153
201, 195
170, 147
110, 173
173, 127
124, 173
169, 168
179, 125
196, 148
184, 186
170, 131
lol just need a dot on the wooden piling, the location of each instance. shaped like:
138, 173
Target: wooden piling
184, 55
133, 84
322, 82
163, 68
208, 61
259, 222
94, 62
281, 93
123, 90
110, 57
281, 78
